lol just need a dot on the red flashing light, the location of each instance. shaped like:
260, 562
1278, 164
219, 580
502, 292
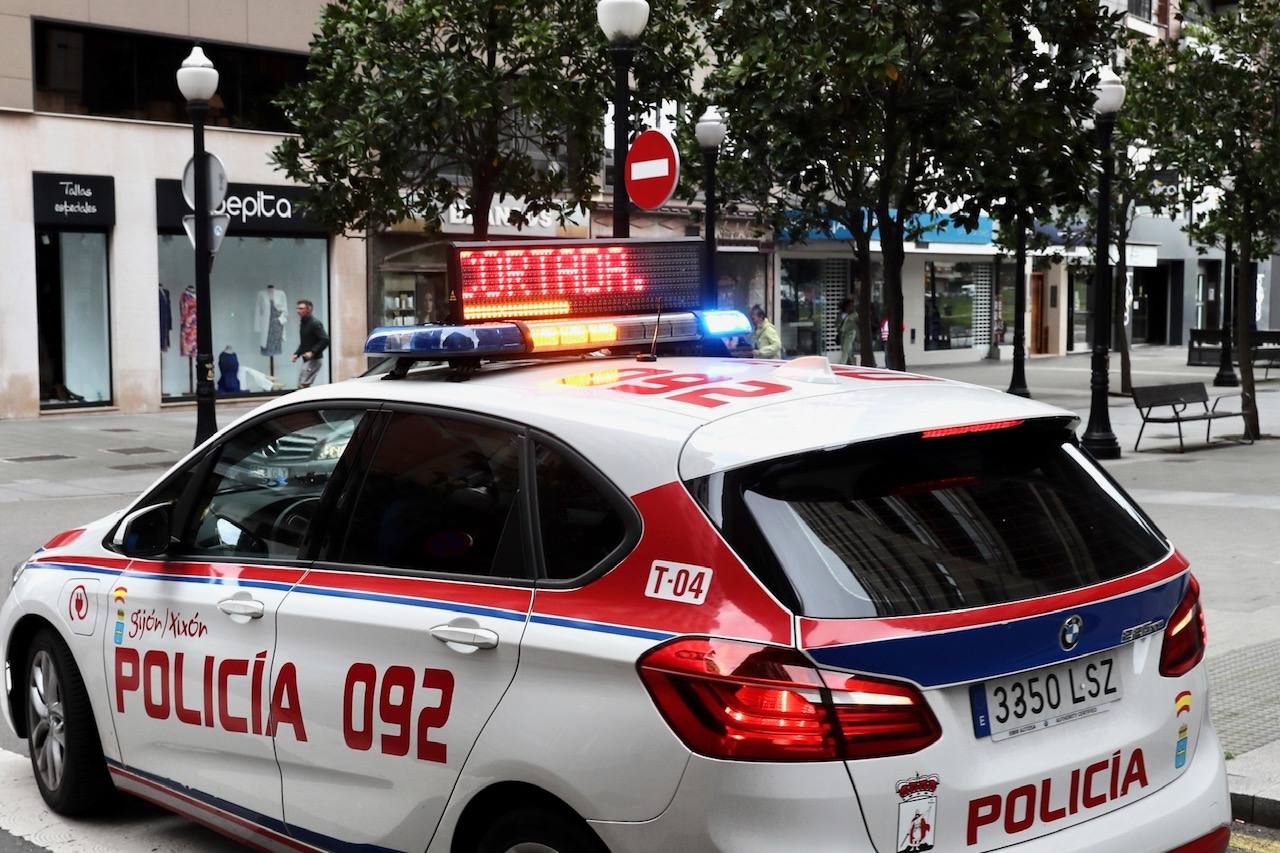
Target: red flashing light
735, 700
989, 426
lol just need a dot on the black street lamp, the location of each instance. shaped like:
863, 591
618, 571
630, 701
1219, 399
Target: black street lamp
198, 81
710, 132
1226, 377
622, 21
1098, 438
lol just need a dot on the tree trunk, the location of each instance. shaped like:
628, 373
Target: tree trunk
893, 254
1120, 280
1018, 378
1245, 307
481, 202
862, 262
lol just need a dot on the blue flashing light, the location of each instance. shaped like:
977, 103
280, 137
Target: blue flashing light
480, 339
721, 323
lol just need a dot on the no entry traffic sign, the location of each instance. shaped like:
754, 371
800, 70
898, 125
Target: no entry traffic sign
653, 169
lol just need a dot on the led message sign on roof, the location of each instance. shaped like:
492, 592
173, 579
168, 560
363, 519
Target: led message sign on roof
527, 281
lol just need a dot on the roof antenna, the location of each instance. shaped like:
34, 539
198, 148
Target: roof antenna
652, 354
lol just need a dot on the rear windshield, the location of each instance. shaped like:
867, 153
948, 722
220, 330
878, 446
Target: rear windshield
912, 525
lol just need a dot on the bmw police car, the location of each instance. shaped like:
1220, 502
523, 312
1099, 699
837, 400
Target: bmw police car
553, 581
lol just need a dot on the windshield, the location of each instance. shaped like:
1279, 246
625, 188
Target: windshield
912, 525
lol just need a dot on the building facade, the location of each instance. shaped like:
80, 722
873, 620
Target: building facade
98, 291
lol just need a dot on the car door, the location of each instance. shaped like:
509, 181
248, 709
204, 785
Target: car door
195, 692
411, 625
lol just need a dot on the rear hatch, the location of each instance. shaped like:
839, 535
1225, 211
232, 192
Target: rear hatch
999, 572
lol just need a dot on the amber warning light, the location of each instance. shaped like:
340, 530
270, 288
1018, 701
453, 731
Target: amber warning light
578, 279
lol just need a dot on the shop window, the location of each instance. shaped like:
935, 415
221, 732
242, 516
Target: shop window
956, 305
255, 285
71, 311
102, 72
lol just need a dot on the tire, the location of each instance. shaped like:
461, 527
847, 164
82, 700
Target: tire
66, 754
534, 830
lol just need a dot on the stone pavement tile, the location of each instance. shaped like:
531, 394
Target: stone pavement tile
49, 489
1245, 695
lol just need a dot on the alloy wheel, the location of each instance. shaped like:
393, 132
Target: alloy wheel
49, 734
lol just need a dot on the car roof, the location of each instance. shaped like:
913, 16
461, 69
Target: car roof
749, 410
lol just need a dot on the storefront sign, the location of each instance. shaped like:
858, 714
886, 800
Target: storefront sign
457, 220
74, 200
253, 208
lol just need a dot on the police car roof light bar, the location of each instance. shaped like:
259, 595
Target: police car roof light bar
498, 340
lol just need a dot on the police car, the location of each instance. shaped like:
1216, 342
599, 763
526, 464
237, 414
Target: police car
551, 580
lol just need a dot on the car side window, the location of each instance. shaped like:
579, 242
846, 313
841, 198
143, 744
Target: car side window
263, 489
580, 524
440, 495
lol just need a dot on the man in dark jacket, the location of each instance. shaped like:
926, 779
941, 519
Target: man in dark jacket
312, 341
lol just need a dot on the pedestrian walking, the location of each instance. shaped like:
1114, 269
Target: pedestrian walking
847, 332
765, 342
312, 341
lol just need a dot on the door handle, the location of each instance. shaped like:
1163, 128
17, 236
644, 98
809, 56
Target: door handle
477, 638
248, 608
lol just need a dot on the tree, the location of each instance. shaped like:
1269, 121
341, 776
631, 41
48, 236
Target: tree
880, 112
1220, 128
1141, 180
1035, 162
410, 106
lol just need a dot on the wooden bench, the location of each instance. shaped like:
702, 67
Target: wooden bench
1178, 397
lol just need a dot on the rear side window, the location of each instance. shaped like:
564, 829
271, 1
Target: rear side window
580, 524
440, 495
913, 525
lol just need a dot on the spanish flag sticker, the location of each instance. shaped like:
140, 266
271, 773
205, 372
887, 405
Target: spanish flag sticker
1182, 703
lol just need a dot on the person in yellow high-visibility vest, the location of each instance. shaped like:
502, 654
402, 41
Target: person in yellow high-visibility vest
765, 342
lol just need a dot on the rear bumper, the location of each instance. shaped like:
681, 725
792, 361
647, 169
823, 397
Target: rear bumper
750, 807
753, 807
1174, 819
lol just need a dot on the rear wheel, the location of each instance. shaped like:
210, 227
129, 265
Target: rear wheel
66, 755
539, 831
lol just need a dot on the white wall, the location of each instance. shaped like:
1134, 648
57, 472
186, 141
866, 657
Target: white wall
136, 154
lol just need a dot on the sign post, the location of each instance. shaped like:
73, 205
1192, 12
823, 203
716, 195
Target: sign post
653, 169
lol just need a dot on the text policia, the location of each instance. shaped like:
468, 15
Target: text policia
159, 678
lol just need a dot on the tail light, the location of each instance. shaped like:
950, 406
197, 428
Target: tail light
736, 700
1185, 636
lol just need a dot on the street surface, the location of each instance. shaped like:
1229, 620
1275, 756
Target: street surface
1220, 505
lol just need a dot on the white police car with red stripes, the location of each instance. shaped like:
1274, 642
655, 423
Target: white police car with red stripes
551, 580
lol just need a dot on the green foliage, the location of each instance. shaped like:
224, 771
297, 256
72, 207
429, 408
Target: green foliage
1034, 159
412, 105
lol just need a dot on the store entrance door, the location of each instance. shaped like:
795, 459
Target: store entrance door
71, 318
1151, 305
1039, 331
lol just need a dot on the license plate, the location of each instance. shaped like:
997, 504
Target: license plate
1030, 701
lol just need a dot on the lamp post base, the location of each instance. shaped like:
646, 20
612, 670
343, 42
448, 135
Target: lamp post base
1226, 377
1098, 438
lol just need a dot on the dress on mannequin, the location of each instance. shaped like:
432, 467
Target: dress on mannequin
269, 320
187, 332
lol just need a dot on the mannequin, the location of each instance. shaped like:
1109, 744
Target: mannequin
270, 319
166, 318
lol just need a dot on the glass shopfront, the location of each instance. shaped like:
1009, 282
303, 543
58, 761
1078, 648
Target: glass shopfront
742, 280
73, 215
957, 306
270, 259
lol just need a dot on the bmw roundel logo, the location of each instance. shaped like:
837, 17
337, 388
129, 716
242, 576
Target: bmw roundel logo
1070, 633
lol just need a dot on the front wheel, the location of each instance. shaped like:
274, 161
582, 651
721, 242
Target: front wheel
538, 831
66, 755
